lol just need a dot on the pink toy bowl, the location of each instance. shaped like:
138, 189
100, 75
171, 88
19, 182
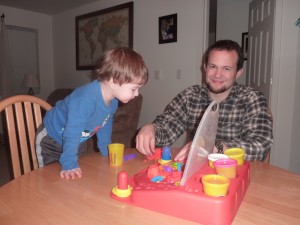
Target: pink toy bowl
226, 167
215, 156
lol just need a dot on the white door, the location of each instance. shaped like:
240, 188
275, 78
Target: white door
260, 46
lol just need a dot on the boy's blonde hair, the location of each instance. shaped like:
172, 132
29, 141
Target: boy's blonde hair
123, 65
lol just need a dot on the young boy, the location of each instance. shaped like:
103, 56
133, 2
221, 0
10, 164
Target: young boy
89, 110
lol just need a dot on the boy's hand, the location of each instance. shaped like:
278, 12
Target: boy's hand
71, 174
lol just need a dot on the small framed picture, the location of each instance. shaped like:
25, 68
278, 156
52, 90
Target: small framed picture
245, 44
167, 29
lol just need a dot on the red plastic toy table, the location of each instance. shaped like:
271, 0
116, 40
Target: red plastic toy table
180, 193
189, 201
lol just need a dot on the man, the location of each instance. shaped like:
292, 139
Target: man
244, 119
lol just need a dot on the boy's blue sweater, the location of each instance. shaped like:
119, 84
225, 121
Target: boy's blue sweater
77, 118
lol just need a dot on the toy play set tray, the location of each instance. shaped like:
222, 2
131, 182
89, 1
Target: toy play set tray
176, 188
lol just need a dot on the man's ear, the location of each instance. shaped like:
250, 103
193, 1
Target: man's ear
239, 73
204, 67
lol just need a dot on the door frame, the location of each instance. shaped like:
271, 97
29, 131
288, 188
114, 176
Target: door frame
276, 73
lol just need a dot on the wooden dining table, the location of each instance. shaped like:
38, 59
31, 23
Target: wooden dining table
41, 197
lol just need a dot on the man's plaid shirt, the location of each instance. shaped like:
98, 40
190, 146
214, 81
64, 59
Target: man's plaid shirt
244, 121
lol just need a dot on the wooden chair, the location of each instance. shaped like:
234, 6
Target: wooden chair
22, 117
267, 159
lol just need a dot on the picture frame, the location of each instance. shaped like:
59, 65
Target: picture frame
167, 29
245, 44
102, 30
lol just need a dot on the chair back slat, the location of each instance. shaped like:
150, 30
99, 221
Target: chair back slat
12, 138
37, 114
22, 137
32, 125
23, 115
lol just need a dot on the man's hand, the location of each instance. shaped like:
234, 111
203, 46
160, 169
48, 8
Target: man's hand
184, 152
71, 174
145, 140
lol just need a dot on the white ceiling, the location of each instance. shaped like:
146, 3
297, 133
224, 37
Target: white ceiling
49, 7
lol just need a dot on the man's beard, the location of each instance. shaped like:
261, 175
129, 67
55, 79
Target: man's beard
219, 91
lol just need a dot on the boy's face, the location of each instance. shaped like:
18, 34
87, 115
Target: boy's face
126, 91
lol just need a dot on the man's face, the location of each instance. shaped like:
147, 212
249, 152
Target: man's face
221, 71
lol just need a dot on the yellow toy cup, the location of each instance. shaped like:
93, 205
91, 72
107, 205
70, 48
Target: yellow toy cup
236, 153
215, 185
215, 156
116, 152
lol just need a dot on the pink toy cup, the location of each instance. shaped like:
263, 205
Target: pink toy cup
215, 156
226, 167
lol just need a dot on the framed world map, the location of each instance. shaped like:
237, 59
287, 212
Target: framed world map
101, 30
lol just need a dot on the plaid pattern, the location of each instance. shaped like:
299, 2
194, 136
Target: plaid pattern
244, 121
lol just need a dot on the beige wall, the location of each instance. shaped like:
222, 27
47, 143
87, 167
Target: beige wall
43, 23
232, 21
285, 96
184, 55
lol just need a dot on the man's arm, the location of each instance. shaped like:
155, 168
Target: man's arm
253, 132
256, 137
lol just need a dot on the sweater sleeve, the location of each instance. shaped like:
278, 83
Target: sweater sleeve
255, 135
104, 136
78, 113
